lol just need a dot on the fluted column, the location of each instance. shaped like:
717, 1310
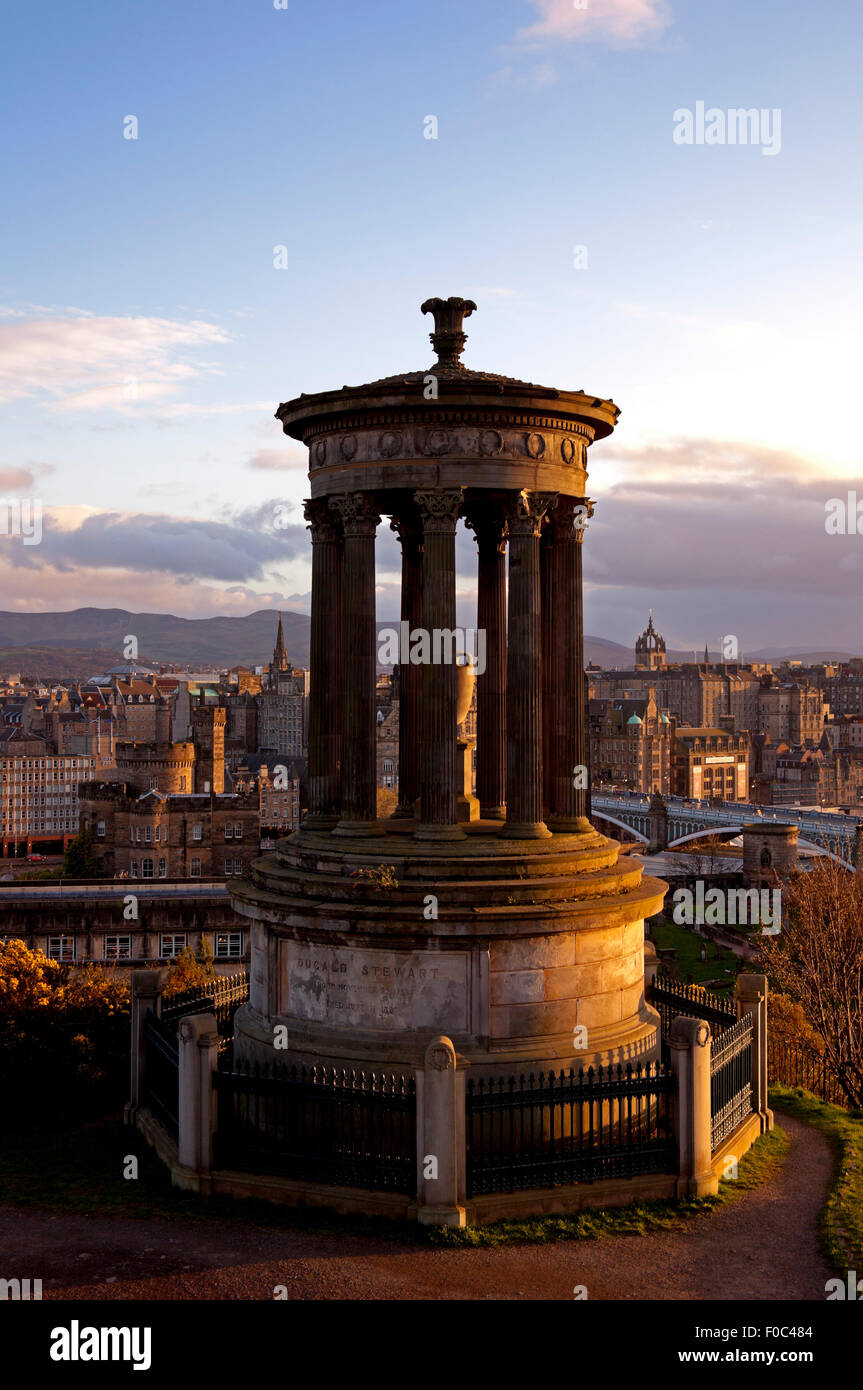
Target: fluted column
439, 511
359, 516
408, 528
566, 701
524, 676
325, 666
488, 522
549, 616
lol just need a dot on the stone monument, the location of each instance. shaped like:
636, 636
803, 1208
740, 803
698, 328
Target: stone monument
518, 932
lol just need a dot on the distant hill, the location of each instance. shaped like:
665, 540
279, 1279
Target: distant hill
58, 663
91, 640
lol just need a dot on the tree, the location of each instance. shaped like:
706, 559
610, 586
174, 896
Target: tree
817, 959
80, 860
188, 971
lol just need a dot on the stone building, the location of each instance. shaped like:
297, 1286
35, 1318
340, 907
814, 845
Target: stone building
650, 648
38, 792
283, 706
631, 744
710, 763
791, 712
154, 834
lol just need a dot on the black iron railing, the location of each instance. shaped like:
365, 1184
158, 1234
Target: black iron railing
794, 1065
670, 998
730, 1080
161, 1079
221, 996
321, 1124
552, 1130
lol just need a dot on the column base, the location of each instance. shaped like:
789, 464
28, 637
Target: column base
403, 812
570, 825
439, 832
493, 812
526, 830
319, 821
442, 1216
354, 828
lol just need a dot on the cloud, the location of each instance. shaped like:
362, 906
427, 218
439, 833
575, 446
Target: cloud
16, 480
274, 460
81, 361
617, 21
234, 551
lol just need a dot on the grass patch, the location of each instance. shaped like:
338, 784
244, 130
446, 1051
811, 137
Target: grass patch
80, 1171
689, 962
841, 1221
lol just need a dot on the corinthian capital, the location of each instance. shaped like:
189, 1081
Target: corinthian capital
486, 517
527, 510
439, 510
323, 523
570, 517
359, 514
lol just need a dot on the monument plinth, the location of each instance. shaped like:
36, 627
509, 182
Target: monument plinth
518, 933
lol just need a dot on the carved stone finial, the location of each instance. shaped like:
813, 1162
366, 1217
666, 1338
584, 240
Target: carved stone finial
448, 339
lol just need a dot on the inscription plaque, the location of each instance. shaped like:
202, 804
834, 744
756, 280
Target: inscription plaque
367, 988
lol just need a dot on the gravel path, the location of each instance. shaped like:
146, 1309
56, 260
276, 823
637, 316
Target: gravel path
762, 1247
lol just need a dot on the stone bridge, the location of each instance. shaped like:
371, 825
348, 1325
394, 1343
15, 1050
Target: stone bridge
667, 824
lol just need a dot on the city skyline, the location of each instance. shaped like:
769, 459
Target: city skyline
143, 352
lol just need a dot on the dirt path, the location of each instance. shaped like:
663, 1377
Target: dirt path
762, 1247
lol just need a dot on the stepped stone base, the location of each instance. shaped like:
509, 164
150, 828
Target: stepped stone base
528, 954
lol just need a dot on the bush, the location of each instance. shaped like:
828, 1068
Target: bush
64, 1034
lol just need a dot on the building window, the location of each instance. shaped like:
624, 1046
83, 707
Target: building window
146, 868
238, 866
197, 832
61, 948
229, 830
148, 834
195, 869
133, 869
100, 829
238, 831
171, 944
228, 866
228, 943
118, 948
163, 868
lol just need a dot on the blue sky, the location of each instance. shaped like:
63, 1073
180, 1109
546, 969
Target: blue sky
146, 336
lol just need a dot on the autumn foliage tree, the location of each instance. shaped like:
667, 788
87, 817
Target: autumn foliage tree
817, 960
64, 1032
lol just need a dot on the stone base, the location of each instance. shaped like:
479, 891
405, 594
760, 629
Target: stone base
442, 1216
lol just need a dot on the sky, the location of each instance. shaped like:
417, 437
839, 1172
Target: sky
149, 325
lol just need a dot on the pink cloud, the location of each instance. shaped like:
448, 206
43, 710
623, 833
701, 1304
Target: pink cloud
619, 21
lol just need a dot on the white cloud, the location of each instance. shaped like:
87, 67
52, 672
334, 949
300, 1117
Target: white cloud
81, 361
618, 21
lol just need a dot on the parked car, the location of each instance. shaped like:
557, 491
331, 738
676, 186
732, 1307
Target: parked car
36, 858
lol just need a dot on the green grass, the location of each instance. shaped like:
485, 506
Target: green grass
81, 1171
688, 947
841, 1222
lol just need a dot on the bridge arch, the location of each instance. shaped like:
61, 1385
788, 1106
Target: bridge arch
621, 825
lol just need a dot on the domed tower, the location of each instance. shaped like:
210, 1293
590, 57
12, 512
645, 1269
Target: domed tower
511, 931
650, 648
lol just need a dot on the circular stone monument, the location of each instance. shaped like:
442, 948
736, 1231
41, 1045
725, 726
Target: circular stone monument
517, 932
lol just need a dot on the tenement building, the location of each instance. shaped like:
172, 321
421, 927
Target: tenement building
631, 743
283, 706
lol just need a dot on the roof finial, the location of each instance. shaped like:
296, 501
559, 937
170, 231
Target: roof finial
448, 339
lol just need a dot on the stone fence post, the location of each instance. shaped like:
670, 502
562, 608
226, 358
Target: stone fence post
146, 994
690, 1058
199, 1055
751, 994
440, 1090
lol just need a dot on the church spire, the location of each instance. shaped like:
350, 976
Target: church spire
280, 655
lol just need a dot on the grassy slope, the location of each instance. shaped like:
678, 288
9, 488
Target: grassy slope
842, 1217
